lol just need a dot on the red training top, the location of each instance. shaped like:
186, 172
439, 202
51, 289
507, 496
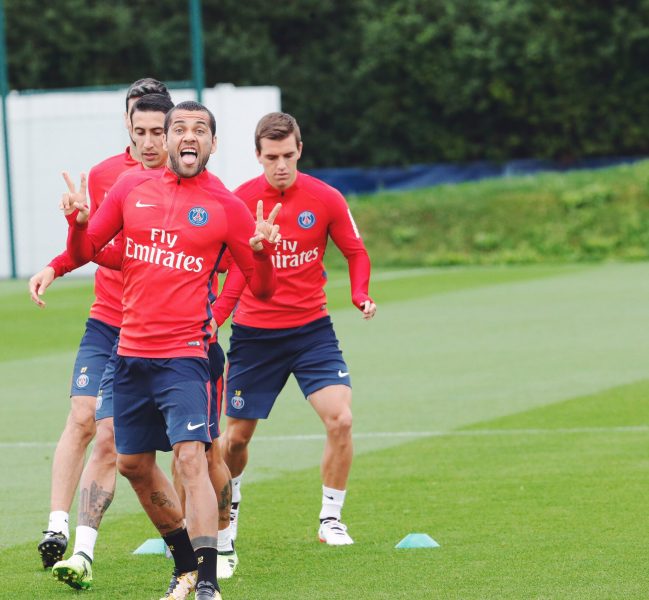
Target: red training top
311, 212
107, 306
176, 231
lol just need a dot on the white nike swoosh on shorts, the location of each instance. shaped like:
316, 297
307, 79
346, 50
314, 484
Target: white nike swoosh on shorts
191, 427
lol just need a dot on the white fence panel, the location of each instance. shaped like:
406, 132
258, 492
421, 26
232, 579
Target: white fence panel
72, 131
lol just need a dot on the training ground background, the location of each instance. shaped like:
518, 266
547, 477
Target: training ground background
503, 411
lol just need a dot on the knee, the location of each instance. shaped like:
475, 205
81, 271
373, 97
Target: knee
134, 470
82, 417
190, 460
236, 440
104, 449
339, 425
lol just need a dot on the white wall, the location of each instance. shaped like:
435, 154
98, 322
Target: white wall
72, 131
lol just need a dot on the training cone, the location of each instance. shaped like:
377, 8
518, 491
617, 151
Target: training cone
417, 540
152, 546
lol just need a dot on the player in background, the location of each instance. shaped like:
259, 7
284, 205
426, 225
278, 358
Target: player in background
292, 333
176, 226
102, 329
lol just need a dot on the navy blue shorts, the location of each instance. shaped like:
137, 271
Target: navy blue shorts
261, 360
94, 351
217, 364
104, 409
159, 402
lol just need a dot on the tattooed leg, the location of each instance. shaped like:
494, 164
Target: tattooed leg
154, 490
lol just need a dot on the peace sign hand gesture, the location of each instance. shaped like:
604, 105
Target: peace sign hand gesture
73, 200
265, 230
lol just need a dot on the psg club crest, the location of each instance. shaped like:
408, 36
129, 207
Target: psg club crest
306, 219
82, 380
198, 216
237, 401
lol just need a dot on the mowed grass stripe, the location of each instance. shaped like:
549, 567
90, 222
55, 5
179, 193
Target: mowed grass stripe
35, 332
552, 517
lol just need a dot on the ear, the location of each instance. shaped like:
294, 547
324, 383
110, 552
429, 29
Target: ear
164, 142
213, 150
258, 155
299, 151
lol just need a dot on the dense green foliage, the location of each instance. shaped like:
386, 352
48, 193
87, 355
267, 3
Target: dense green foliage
578, 216
377, 82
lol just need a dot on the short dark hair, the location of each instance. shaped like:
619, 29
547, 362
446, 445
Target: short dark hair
277, 126
191, 106
145, 86
152, 103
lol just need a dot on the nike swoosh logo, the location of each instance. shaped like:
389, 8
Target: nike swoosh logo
139, 204
341, 374
191, 427
330, 497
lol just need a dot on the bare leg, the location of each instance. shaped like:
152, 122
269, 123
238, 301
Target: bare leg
97, 486
221, 482
333, 405
71, 450
234, 443
154, 490
201, 507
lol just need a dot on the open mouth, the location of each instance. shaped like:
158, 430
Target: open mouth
188, 156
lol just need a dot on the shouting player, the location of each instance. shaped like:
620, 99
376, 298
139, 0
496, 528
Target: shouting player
176, 225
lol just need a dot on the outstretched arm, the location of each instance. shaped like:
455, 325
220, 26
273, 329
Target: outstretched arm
346, 236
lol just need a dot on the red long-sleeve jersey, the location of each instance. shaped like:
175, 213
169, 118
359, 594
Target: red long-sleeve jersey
312, 211
107, 306
175, 232
110, 256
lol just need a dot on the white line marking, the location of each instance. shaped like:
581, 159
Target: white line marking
410, 434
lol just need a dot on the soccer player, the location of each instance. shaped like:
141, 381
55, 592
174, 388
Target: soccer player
147, 117
102, 329
292, 332
176, 225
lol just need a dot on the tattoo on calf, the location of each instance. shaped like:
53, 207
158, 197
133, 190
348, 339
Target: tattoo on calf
225, 497
93, 503
161, 499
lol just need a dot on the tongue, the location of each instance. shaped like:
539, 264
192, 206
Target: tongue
188, 158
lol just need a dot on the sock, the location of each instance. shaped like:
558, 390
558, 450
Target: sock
332, 503
181, 549
59, 522
84, 541
206, 559
236, 488
224, 543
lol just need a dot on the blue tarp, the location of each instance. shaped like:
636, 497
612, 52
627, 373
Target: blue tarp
356, 180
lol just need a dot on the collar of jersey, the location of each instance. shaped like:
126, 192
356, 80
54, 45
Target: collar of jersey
169, 176
130, 161
287, 192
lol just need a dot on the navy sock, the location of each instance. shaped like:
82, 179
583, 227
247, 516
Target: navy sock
206, 558
181, 549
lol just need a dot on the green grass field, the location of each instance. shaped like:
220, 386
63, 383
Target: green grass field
503, 411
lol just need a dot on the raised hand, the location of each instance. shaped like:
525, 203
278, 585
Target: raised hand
75, 200
265, 229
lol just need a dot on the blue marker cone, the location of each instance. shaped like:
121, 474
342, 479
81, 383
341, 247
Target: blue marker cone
152, 546
417, 540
